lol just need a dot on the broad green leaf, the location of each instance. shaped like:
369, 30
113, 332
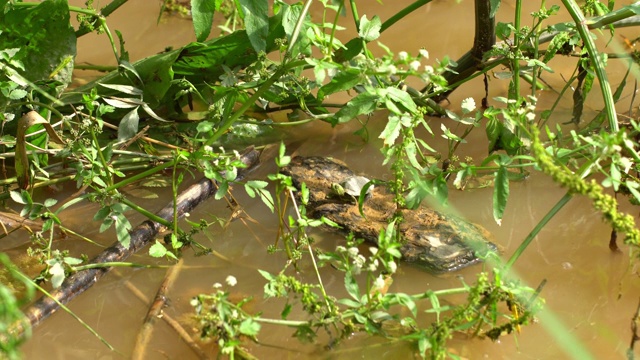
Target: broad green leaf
157, 250
352, 286
402, 98
290, 17
128, 126
122, 230
46, 40
57, 275
500, 194
364, 103
202, 14
223, 187
17, 197
493, 130
495, 5
344, 80
391, 130
256, 21
370, 29
249, 327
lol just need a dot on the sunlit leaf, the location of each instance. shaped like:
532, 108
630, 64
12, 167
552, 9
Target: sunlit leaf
352, 286
128, 126
57, 275
157, 250
391, 130
370, 29
256, 20
364, 103
202, 14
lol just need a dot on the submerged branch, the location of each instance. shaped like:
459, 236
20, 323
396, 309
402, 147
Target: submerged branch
141, 236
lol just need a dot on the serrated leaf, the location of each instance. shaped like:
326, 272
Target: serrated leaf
402, 98
391, 130
249, 327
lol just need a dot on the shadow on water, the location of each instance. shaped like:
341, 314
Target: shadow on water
590, 290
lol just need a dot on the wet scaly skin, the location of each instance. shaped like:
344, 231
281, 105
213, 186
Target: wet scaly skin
432, 240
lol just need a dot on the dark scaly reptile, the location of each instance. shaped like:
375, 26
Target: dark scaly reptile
438, 242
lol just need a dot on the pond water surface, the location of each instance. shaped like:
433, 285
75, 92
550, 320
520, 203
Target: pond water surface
591, 294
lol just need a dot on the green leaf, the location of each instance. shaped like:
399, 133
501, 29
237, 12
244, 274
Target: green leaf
256, 21
391, 130
344, 80
266, 275
369, 29
495, 5
364, 103
157, 250
72, 261
402, 98
408, 302
122, 230
128, 126
202, 14
17, 197
46, 40
500, 193
57, 275
249, 327
352, 286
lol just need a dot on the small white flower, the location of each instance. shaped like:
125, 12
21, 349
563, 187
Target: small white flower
391, 265
428, 69
373, 250
208, 148
341, 248
217, 286
236, 153
414, 65
332, 72
187, 214
531, 116
231, 280
373, 266
194, 302
402, 55
353, 251
424, 53
392, 69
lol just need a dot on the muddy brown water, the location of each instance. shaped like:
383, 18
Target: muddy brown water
591, 294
